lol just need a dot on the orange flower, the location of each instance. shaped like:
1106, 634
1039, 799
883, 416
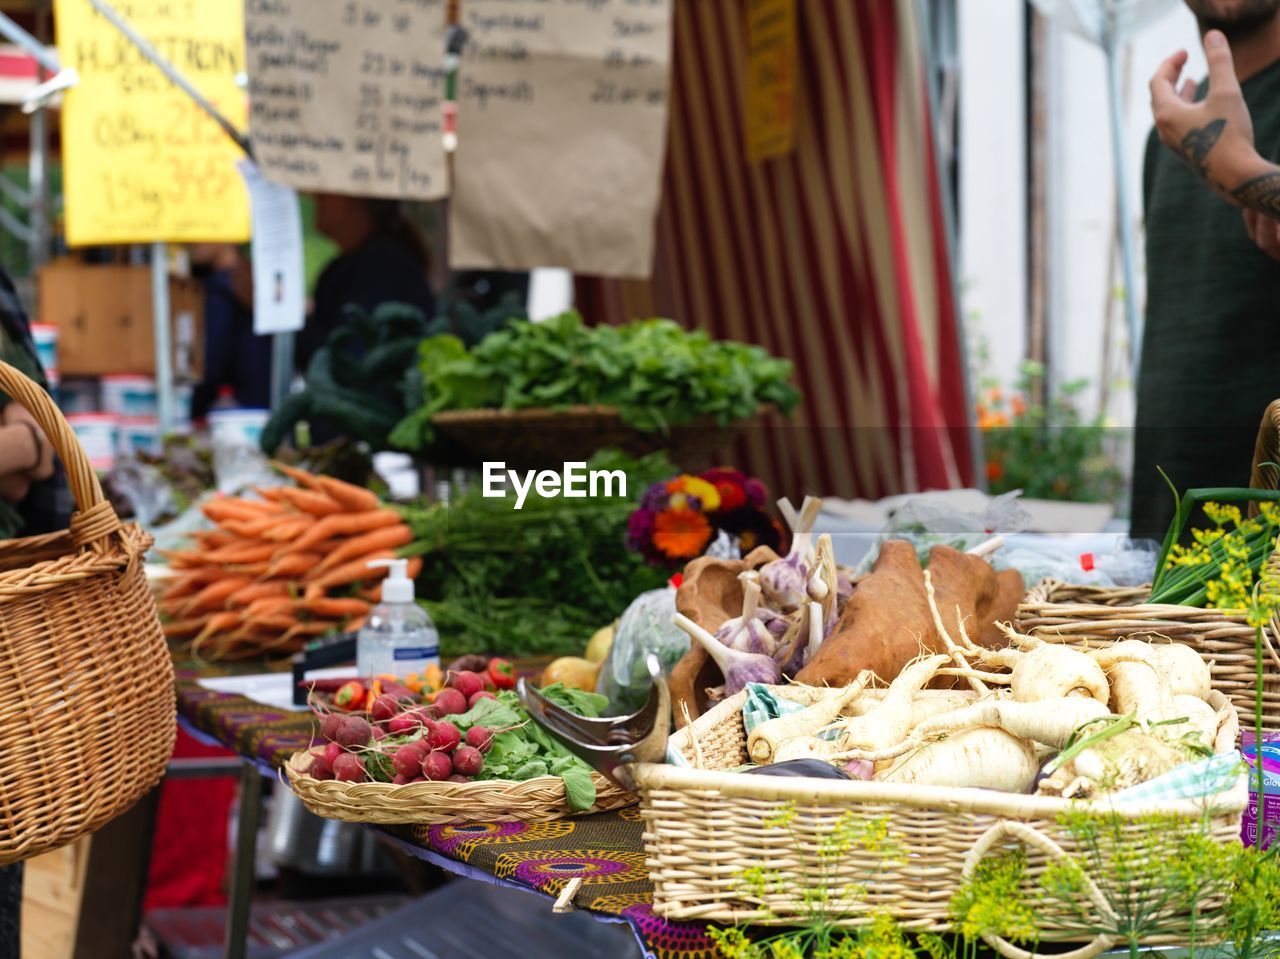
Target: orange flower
994, 470
1018, 404
681, 533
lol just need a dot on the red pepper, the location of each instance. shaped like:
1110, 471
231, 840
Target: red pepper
502, 674
351, 696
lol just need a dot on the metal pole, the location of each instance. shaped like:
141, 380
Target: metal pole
151, 53
46, 57
242, 875
281, 367
1123, 203
163, 337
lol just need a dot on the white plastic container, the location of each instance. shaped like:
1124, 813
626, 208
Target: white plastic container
46, 339
399, 637
237, 427
128, 395
139, 434
183, 394
99, 434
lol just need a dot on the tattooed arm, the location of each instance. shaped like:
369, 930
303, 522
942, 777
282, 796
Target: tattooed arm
1214, 137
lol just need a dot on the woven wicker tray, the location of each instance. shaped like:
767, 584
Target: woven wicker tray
706, 828
432, 804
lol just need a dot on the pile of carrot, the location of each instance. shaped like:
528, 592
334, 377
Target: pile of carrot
281, 568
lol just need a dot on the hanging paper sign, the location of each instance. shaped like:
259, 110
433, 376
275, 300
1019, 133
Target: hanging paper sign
279, 279
141, 162
346, 95
769, 98
562, 118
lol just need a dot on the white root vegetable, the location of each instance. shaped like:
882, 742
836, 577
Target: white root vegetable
1137, 690
1201, 719
1048, 722
1182, 669
888, 724
1053, 672
769, 737
1127, 759
1228, 733
989, 758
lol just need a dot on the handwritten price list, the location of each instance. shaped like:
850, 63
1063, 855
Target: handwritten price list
562, 115
142, 162
346, 94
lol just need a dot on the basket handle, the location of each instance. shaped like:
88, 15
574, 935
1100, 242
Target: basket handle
1005, 829
1267, 450
95, 521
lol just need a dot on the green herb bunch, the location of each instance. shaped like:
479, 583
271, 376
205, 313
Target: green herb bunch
655, 373
534, 581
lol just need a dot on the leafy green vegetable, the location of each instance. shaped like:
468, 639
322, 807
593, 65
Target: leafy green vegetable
654, 372
533, 582
368, 376
524, 750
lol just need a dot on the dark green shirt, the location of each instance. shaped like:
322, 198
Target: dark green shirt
1211, 348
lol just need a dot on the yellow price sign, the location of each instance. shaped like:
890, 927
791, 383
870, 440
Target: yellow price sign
769, 101
141, 162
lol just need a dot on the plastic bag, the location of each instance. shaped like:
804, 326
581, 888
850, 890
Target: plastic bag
925, 524
646, 627
1132, 563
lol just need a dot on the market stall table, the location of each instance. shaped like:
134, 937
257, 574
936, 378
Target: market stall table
604, 850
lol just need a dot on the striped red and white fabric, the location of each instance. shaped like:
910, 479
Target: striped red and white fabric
833, 256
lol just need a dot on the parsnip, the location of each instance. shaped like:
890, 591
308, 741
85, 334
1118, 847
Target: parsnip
1201, 719
767, 739
1138, 690
1182, 669
989, 758
1046, 672
889, 723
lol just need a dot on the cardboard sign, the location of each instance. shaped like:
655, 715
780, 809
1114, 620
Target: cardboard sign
769, 98
346, 95
279, 279
141, 162
562, 119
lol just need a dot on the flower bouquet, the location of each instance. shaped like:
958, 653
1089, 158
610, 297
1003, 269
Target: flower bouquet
678, 519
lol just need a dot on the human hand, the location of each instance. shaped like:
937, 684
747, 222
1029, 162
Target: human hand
14, 414
1264, 231
1214, 137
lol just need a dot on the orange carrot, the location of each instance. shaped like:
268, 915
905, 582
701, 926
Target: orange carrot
354, 499
213, 538
356, 571
308, 629
335, 608
215, 595
314, 591
299, 476
288, 528
388, 537
226, 507
309, 501
293, 565
346, 524
248, 569
217, 623
184, 628
242, 553
246, 595
355, 624
191, 581
270, 493
183, 559
270, 606
251, 529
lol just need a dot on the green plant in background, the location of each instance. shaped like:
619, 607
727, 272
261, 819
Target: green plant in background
1048, 449
655, 373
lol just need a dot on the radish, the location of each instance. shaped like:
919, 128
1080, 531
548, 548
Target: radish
436, 766
404, 723
476, 697
450, 701
349, 768
332, 752
467, 761
379, 733
458, 778
465, 682
320, 768
400, 779
407, 760
445, 736
426, 715
329, 725
480, 737
354, 731
384, 708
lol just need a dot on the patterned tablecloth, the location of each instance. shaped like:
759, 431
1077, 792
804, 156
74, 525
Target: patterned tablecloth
605, 850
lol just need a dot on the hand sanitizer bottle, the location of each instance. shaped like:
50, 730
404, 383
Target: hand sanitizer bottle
398, 638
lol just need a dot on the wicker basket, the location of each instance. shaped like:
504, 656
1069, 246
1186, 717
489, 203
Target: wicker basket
85, 674
534, 800
706, 828
1093, 615
549, 438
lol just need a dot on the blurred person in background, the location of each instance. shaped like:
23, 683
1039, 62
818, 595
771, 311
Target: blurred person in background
1210, 356
235, 357
382, 259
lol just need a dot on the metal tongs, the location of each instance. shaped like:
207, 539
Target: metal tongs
609, 744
